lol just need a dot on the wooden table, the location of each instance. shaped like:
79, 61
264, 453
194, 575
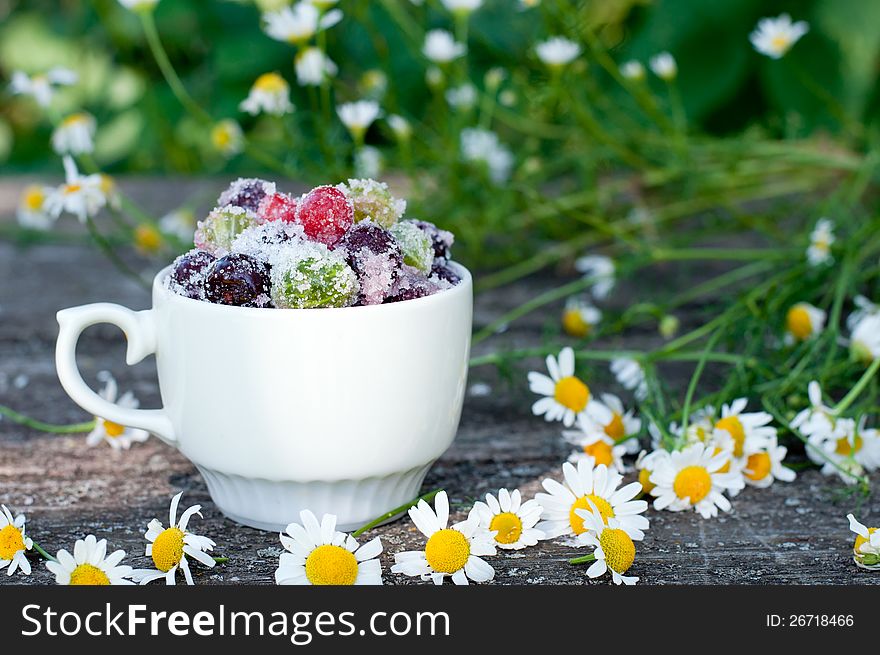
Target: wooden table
790, 534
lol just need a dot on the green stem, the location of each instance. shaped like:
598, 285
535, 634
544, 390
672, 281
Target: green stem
43, 553
584, 559
857, 389
21, 419
107, 248
608, 355
428, 497
220, 560
695, 378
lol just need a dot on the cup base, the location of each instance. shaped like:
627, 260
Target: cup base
273, 504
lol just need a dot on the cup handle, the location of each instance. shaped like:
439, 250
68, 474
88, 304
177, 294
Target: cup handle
140, 331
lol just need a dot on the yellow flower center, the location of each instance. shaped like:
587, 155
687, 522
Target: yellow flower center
861, 540
331, 565
577, 523
734, 427
113, 429
645, 481
798, 322
619, 549
615, 429
86, 574
147, 238
571, 393
72, 188
847, 446
106, 184
574, 324
758, 466
601, 452
11, 542
780, 42
447, 551
74, 119
168, 549
509, 527
34, 198
271, 83
693, 482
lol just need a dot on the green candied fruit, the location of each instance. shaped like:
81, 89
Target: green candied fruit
217, 232
313, 281
372, 199
418, 251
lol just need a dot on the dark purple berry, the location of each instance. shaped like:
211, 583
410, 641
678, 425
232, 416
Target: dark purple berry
247, 193
239, 280
441, 240
408, 293
411, 285
375, 257
444, 273
188, 273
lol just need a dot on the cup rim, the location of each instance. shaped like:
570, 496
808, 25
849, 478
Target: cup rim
463, 287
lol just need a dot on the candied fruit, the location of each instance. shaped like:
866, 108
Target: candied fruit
373, 200
278, 207
187, 277
314, 280
441, 240
246, 193
374, 255
325, 214
238, 279
445, 274
217, 232
411, 285
415, 245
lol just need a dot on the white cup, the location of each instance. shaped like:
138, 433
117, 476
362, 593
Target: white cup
334, 410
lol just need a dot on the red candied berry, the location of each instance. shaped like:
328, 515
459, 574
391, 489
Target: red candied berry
278, 207
325, 214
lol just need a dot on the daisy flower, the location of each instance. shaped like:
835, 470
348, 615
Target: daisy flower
664, 66
511, 520
565, 396
557, 52
170, 547
701, 425
80, 195
139, 5
631, 376
227, 137
463, 96
866, 549
633, 70
818, 418
454, 551
579, 317
645, 464
14, 543
595, 447
90, 565
31, 212
318, 554
865, 339
775, 36
852, 440
41, 87
118, 436
763, 467
75, 135
614, 548
749, 430
692, 478
583, 485
296, 24
484, 146
462, 7
358, 116
864, 308
609, 417
601, 270
400, 126
313, 67
803, 321
270, 94
821, 240
441, 48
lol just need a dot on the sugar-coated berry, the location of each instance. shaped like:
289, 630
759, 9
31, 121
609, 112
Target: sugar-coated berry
278, 207
412, 284
415, 245
373, 201
316, 280
375, 257
444, 273
246, 193
217, 232
325, 214
239, 280
187, 277
441, 240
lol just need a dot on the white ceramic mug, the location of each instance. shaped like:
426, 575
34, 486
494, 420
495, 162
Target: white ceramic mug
333, 410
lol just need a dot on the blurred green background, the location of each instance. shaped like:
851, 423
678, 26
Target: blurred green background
219, 49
